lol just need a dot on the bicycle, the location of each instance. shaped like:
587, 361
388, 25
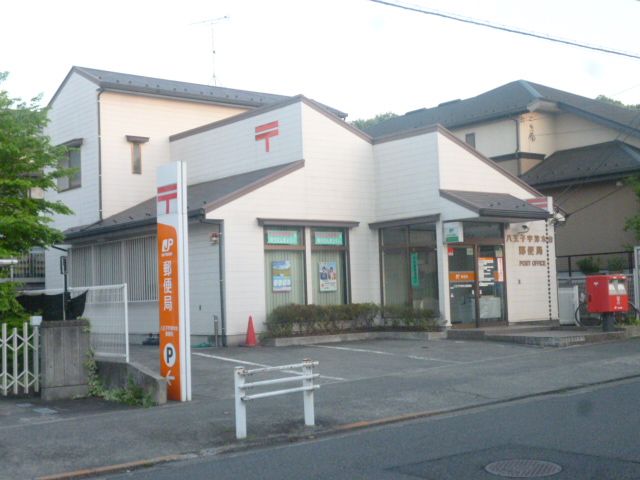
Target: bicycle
584, 318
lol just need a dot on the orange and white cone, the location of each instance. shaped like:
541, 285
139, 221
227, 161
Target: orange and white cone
250, 341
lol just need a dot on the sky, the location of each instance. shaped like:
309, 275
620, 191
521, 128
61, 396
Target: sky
355, 55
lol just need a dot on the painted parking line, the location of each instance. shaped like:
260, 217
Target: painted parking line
244, 362
390, 354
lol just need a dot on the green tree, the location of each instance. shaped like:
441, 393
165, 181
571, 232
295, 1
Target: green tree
632, 224
363, 124
612, 101
28, 162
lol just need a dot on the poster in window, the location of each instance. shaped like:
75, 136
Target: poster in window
281, 276
328, 272
415, 270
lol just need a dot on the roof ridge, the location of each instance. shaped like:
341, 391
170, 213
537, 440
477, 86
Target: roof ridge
92, 72
530, 89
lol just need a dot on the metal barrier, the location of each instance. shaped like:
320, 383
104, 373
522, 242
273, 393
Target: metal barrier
307, 388
107, 309
20, 360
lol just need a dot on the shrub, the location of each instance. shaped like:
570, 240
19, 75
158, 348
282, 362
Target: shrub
588, 265
616, 265
11, 312
405, 316
291, 320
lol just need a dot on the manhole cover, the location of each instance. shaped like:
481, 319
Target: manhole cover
523, 468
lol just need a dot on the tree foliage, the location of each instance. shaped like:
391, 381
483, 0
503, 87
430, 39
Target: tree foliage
363, 124
632, 224
612, 101
27, 161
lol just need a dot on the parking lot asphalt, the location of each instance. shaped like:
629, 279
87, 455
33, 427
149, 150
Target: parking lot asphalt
361, 382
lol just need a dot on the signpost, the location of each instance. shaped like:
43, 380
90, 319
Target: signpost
173, 280
636, 275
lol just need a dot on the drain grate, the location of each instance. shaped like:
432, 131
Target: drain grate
523, 468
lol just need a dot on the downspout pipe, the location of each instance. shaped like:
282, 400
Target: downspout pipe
100, 90
221, 269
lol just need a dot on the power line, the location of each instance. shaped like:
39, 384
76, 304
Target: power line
504, 28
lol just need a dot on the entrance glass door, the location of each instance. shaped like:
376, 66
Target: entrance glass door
491, 298
424, 279
462, 284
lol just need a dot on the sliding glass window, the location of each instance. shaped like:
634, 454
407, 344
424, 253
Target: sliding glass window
284, 266
329, 266
409, 266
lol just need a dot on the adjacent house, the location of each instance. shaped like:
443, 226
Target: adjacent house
575, 149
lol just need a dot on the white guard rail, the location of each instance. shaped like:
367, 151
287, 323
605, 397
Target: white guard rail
307, 388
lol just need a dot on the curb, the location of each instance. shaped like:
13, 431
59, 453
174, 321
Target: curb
351, 337
117, 468
343, 428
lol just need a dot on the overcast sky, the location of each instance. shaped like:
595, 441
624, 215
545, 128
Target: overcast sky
360, 57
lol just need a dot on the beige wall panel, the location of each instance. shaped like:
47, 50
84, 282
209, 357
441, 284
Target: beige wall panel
599, 227
538, 132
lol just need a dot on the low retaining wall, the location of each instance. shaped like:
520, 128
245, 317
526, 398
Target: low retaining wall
116, 375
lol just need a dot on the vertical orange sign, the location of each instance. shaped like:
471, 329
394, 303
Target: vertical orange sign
169, 309
173, 281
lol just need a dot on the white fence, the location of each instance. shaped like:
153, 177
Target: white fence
106, 308
306, 377
20, 360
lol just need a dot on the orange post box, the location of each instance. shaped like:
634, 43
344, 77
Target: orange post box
607, 294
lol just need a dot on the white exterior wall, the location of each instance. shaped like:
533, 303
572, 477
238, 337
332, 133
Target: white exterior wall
531, 286
204, 278
461, 170
407, 177
492, 138
74, 114
341, 184
232, 149
336, 183
157, 118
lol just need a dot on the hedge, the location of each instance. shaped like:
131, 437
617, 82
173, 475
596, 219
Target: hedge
294, 320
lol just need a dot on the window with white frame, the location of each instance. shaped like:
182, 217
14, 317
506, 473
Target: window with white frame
72, 161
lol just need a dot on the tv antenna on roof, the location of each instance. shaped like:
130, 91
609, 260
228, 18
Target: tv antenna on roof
212, 22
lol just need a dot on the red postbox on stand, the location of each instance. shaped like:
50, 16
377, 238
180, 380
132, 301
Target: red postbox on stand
607, 295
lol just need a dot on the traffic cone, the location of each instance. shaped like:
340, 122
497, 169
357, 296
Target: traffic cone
251, 334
